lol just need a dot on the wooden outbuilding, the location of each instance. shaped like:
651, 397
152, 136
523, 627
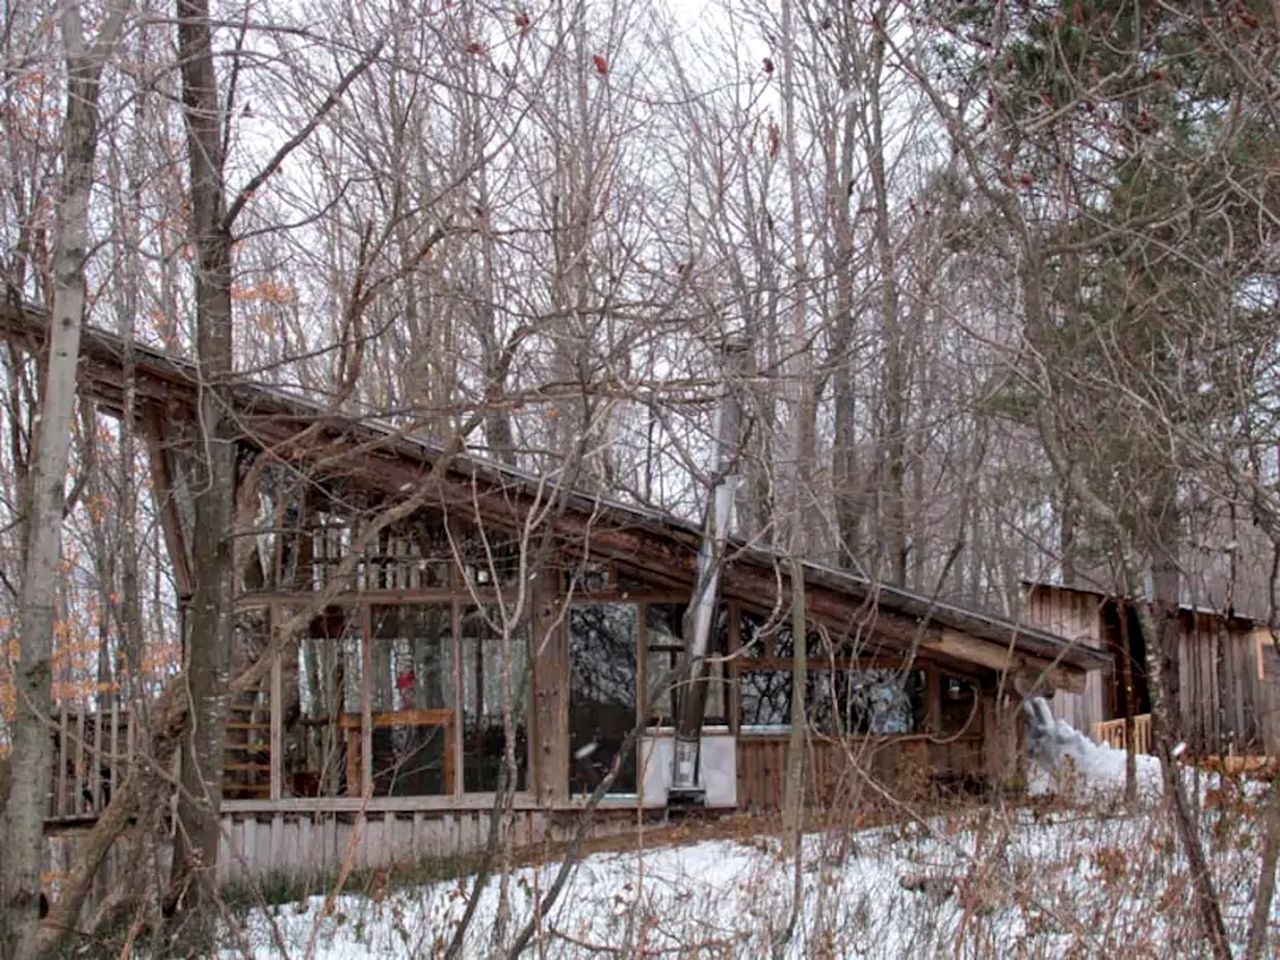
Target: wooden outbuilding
1228, 666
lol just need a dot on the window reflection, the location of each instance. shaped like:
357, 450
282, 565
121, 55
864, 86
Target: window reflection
320, 686
602, 694
959, 709
863, 702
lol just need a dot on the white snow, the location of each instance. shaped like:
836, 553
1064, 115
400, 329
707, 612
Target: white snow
1061, 884
1061, 759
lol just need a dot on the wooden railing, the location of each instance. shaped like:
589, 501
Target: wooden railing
1111, 733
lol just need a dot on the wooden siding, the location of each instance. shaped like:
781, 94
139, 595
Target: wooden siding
909, 765
1221, 697
1228, 700
318, 844
1270, 718
1074, 616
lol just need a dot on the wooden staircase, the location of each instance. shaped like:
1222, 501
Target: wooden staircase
247, 765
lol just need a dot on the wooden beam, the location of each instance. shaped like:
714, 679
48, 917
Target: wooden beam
933, 699
277, 715
1026, 670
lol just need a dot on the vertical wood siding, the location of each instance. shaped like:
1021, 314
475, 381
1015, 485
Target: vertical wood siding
1224, 704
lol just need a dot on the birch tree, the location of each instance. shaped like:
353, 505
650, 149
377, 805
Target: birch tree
45, 494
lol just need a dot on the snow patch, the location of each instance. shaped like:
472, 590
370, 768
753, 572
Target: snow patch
1060, 758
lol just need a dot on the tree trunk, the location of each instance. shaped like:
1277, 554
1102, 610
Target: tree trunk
1260, 919
32, 750
895, 375
799, 391
208, 641
1130, 756
1154, 618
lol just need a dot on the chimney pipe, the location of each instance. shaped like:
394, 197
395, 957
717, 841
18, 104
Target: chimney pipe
698, 620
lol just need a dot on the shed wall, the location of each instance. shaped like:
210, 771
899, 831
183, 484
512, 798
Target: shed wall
1077, 617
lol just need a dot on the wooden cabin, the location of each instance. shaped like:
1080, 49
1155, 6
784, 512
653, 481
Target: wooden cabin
1228, 665
421, 613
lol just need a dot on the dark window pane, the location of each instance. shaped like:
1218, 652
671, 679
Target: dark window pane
483, 734
784, 647
591, 578
764, 697
663, 622
959, 711
837, 702
755, 635
884, 701
602, 694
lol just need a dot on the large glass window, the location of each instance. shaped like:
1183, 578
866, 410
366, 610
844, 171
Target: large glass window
841, 698
434, 697
411, 698
483, 732
321, 688
602, 694
764, 697
878, 702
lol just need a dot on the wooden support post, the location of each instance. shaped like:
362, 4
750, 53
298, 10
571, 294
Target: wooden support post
115, 741
550, 692
80, 783
64, 732
453, 738
933, 699
95, 783
366, 705
276, 707
731, 669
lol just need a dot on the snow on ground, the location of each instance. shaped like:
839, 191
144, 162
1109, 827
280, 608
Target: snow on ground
1059, 881
1062, 759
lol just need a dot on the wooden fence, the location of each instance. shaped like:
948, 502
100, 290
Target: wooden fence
1112, 733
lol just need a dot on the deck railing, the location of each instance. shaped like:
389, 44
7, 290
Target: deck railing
1111, 733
